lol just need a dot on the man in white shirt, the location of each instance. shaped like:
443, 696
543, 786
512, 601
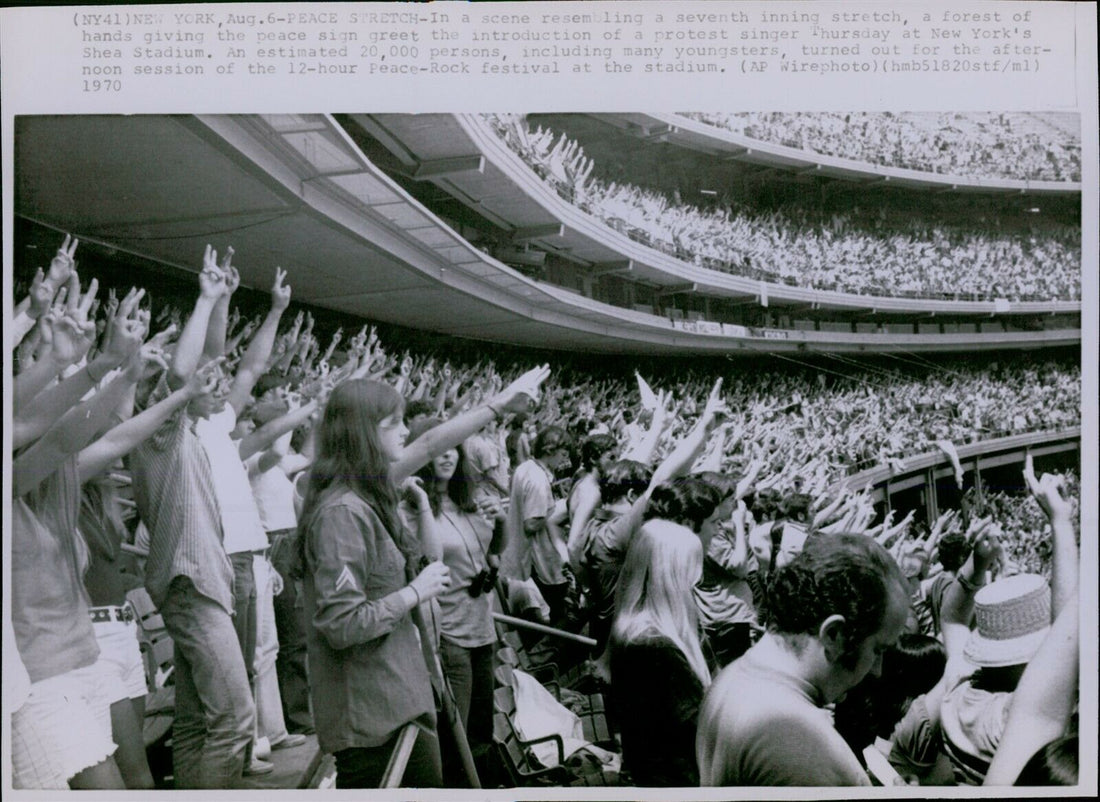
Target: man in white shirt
536, 546
244, 537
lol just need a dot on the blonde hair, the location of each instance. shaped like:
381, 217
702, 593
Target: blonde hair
654, 595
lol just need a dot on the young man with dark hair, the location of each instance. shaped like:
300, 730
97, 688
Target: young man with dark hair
831, 613
536, 546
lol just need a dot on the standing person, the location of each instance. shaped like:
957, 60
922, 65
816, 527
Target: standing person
188, 574
535, 546
467, 634
657, 666
832, 612
244, 538
364, 575
269, 472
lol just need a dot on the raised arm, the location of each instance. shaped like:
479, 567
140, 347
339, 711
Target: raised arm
214, 345
687, 450
189, 349
644, 449
255, 358
72, 333
678, 462
516, 397
1048, 491
127, 436
266, 435
1043, 702
78, 426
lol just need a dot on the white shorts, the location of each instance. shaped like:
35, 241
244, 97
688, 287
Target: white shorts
119, 648
64, 727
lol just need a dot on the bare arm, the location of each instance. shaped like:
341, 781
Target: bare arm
588, 499
1043, 702
271, 431
255, 358
453, 432
127, 436
1048, 491
189, 348
214, 345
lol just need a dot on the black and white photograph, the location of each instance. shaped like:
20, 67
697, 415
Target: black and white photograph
571, 453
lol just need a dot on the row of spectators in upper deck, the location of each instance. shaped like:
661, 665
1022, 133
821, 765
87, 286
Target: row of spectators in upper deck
880, 255
978, 144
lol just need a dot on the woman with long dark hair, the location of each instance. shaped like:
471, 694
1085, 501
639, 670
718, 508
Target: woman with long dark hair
465, 528
365, 575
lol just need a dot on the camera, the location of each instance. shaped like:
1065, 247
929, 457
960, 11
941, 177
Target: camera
483, 582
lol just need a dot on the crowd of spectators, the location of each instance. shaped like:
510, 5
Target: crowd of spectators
862, 254
1020, 146
285, 511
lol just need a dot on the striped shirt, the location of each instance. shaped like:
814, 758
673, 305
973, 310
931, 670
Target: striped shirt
175, 497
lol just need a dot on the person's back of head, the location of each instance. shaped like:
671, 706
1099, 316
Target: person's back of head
689, 500
953, 549
653, 597
624, 477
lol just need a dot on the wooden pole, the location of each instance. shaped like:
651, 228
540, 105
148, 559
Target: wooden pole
402, 751
522, 623
450, 707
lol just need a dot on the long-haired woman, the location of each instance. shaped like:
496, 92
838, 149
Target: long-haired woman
365, 574
658, 671
465, 527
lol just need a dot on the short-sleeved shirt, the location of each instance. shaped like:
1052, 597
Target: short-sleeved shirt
532, 496
53, 630
236, 505
762, 726
174, 491
465, 620
606, 538
973, 721
274, 495
490, 460
917, 746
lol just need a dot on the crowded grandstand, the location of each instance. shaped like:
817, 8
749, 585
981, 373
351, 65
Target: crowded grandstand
272, 528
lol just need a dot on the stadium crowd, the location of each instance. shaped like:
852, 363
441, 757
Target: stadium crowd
866, 255
1019, 146
328, 529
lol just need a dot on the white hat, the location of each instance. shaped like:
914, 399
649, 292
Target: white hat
1013, 617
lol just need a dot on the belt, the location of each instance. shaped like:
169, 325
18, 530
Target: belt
103, 615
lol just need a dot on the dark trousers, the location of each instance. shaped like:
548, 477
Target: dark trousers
470, 674
555, 599
362, 767
290, 666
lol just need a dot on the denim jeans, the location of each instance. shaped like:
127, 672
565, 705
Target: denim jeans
290, 665
215, 716
244, 608
269, 707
